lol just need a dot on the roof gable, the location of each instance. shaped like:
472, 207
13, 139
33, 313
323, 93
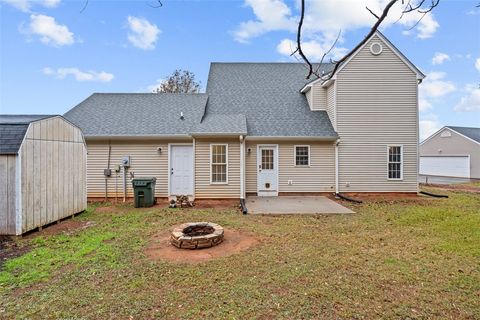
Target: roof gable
390, 45
13, 128
469, 133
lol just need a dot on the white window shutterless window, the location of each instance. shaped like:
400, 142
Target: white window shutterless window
395, 162
302, 156
219, 164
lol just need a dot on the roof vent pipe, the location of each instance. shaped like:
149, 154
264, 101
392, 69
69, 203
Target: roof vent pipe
181, 116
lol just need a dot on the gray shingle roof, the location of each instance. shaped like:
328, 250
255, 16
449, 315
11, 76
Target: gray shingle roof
138, 114
13, 128
269, 96
472, 133
234, 124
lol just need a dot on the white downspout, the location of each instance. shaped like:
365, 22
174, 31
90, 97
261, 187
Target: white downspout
242, 167
336, 166
194, 167
124, 184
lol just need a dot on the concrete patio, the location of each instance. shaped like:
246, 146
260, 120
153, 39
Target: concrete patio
294, 205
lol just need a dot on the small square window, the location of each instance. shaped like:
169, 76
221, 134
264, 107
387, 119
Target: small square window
302, 155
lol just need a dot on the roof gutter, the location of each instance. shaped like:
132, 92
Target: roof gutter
138, 137
290, 138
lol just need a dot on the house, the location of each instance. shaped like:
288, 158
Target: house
42, 171
451, 152
262, 129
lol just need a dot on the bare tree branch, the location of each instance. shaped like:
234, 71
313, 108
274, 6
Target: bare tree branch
299, 44
422, 6
160, 4
84, 6
373, 13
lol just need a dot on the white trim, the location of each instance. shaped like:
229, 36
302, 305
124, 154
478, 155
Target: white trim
336, 167
295, 155
440, 130
290, 138
194, 147
242, 167
276, 165
169, 194
226, 159
387, 42
335, 105
18, 193
401, 161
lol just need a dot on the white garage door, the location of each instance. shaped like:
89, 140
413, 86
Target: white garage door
445, 166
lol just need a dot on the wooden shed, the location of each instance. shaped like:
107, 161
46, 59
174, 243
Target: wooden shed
42, 171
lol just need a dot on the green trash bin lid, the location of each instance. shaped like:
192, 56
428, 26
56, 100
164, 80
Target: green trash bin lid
143, 181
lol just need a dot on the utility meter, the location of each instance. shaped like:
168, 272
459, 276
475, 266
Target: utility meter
126, 161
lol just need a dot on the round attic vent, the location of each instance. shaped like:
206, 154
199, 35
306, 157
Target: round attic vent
376, 48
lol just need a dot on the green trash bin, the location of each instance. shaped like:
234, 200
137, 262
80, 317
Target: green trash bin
144, 191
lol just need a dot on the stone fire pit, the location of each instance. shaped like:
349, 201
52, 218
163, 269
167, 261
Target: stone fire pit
197, 235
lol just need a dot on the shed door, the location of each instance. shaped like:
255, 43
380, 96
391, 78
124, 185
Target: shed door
267, 174
181, 170
445, 166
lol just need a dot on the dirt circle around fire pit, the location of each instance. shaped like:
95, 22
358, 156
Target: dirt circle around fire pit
234, 241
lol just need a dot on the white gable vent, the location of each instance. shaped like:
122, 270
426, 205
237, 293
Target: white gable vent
445, 134
376, 48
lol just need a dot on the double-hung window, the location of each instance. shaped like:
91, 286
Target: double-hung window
302, 156
395, 162
218, 163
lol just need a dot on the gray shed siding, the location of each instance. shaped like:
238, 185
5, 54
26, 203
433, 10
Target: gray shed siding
50, 170
8, 193
376, 106
453, 145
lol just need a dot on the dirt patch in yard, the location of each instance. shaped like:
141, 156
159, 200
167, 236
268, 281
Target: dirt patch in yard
455, 187
10, 249
69, 226
234, 242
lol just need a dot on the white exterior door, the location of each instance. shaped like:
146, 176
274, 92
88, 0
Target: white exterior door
181, 170
445, 166
267, 171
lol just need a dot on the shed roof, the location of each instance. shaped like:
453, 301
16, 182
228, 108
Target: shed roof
138, 114
472, 133
13, 128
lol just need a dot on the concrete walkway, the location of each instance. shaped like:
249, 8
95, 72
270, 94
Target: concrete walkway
294, 205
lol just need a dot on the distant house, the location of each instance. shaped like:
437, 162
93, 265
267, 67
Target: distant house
262, 129
42, 171
451, 152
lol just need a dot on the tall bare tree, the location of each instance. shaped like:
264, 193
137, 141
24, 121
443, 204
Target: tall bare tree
421, 6
180, 81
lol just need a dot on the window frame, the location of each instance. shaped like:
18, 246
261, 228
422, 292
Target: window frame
226, 163
401, 161
295, 156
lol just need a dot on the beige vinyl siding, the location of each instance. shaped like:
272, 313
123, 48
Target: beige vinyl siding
319, 97
376, 106
52, 173
330, 98
8, 193
453, 145
145, 160
318, 177
203, 187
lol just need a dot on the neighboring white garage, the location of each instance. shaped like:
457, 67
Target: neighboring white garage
451, 152
445, 166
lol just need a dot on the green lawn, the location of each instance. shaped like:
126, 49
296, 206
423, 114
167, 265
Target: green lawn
393, 259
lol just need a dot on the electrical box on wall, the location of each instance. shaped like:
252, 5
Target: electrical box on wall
126, 161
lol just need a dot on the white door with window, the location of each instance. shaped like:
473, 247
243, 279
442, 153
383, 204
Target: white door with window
181, 170
267, 171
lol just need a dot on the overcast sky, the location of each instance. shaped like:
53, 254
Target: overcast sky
53, 56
